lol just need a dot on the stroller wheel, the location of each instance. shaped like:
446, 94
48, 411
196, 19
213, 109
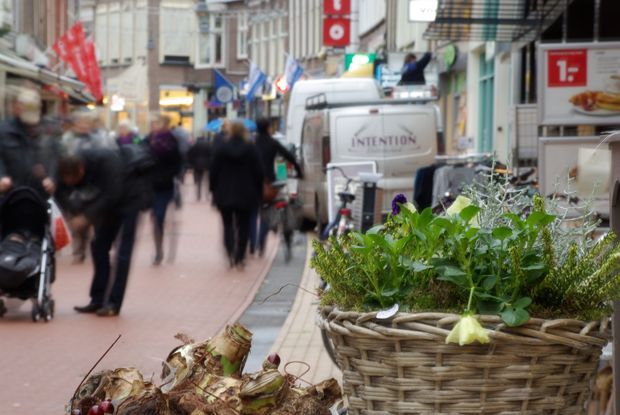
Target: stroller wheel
36, 312
48, 310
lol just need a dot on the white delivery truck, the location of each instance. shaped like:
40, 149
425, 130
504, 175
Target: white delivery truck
400, 136
335, 90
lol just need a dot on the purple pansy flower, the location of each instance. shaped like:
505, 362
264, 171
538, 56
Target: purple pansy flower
399, 199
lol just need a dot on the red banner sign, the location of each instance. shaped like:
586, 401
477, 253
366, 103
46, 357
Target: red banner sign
79, 54
336, 32
337, 7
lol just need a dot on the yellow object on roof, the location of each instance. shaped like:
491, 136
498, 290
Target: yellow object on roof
359, 71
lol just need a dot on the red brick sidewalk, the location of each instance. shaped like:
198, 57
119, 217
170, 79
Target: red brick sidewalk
41, 364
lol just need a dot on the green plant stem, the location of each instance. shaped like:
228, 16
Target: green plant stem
471, 297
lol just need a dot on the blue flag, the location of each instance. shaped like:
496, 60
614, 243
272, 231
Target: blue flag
224, 89
292, 71
256, 79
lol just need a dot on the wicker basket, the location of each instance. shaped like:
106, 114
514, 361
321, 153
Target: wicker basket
403, 366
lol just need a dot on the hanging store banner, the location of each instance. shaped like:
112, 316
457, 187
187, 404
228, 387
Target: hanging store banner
579, 83
337, 7
80, 56
336, 32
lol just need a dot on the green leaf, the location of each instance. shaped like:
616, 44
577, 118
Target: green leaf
539, 219
490, 307
425, 218
471, 233
452, 274
502, 233
388, 292
514, 317
375, 230
417, 266
444, 224
534, 271
469, 213
489, 282
522, 302
516, 220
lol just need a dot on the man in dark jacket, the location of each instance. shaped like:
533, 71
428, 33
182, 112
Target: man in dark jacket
21, 162
413, 71
94, 189
269, 148
236, 181
198, 159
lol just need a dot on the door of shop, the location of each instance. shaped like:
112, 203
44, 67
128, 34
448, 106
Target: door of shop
485, 104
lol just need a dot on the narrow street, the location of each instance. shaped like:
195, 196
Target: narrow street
197, 294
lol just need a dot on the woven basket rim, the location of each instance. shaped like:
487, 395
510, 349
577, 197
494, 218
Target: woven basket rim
571, 332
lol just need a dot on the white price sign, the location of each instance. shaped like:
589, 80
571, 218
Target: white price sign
422, 10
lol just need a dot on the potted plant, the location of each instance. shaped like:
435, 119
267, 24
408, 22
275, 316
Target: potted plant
493, 307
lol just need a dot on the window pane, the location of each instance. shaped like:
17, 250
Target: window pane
218, 48
204, 48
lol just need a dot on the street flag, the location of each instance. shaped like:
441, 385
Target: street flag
256, 79
223, 88
93, 71
292, 71
79, 55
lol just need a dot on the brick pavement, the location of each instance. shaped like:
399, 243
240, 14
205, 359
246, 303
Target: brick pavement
41, 364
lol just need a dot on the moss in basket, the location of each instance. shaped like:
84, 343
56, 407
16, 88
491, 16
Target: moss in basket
509, 257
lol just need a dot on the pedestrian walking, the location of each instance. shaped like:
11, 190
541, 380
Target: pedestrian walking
198, 159
268, 149
165, 148
96, 188
82, 136
236, 181
84, 133
126, 134
21, 149
223, 134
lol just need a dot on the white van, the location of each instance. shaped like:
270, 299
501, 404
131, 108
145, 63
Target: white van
398, 136
335, 90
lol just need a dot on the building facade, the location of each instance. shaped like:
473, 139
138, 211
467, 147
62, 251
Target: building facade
160, 56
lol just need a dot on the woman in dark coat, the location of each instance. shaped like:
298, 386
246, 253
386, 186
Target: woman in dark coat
165, 148
236, 181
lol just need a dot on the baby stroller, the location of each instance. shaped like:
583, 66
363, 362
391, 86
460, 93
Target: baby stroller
27, 263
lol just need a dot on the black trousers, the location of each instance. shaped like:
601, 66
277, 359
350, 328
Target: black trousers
106, 233
199, 175
236, 233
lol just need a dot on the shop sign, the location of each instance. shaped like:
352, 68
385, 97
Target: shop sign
422, 10
579, 83
337, 7
336, 32
355, 60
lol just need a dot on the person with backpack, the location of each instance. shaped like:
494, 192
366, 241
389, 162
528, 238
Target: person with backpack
168, 164
97, 187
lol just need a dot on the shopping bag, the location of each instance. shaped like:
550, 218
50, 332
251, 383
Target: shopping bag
60, 229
